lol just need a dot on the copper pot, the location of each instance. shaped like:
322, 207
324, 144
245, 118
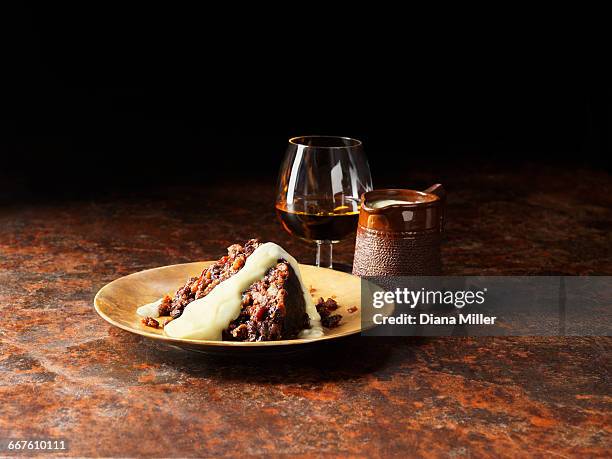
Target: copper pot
399, 232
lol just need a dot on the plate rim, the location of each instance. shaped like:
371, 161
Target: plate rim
201, 342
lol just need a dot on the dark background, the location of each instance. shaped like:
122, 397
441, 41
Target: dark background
99, 99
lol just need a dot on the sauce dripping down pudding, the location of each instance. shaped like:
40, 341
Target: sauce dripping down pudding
283, 308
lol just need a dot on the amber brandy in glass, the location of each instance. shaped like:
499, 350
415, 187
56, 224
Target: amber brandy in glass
320, 183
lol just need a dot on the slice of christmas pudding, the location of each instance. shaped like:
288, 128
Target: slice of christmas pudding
254, 293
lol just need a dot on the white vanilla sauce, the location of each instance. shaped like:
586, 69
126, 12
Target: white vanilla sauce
150, 309
387, 202
207, 317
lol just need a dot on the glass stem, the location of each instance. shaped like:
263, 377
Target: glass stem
324, 254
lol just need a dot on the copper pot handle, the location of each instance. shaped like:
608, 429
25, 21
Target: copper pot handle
440, 192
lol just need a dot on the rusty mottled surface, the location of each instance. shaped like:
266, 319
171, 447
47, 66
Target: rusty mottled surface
66, 373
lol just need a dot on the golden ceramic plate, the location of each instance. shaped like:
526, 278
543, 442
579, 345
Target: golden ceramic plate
117, 303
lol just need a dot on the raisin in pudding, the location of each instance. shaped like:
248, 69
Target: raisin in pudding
254, 293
